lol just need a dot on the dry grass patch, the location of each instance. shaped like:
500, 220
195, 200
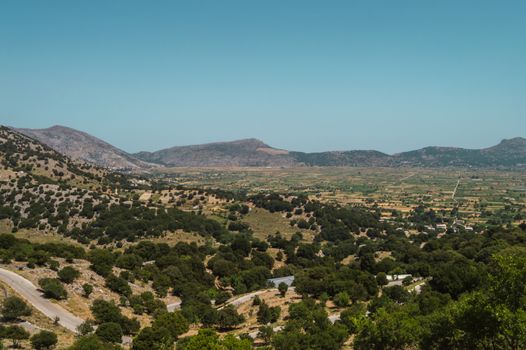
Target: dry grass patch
265, 223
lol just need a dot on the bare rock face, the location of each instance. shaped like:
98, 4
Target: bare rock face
79, 145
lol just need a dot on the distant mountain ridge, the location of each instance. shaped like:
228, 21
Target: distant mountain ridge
510, 153
83, 146
247, 152
252, 152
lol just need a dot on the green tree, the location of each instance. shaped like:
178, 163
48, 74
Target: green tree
209, 340
85, 327
44, 340
106, 311
102, 261
341, 299
491, 318
407, 281
152, 338
174, 322
456, 277
87, 289
91, 342
53, 288
265, 333
118, 285
354, 318
381, 279
68, 274
16, 334
388, 330
283, 288
110, 332
228, 318
397, 293
308, 327
267, 314
14, 307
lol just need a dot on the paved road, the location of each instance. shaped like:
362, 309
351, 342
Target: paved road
29, 292
238, 300
174, 306
395, 283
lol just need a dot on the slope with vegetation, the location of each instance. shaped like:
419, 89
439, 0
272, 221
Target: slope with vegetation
461, 289
79, 145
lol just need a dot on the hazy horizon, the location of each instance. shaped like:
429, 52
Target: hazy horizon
298, 75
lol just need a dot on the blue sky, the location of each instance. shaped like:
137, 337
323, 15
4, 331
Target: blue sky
301, 75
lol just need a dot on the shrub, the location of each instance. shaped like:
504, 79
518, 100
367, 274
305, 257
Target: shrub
174, 322
68, 274
16, 334
87, 289
341, 299
44, 340
52, 288
283, 288
110, 332
14, 307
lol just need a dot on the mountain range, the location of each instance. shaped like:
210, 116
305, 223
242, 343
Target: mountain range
79, 145
510, 153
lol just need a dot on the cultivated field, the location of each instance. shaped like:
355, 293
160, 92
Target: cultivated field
471, 191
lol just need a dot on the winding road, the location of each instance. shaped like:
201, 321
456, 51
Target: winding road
28, 291
238, 300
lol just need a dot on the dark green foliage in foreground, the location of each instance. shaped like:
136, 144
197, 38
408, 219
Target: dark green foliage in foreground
489, 318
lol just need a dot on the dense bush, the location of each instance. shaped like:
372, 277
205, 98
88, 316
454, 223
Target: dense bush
53, 288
